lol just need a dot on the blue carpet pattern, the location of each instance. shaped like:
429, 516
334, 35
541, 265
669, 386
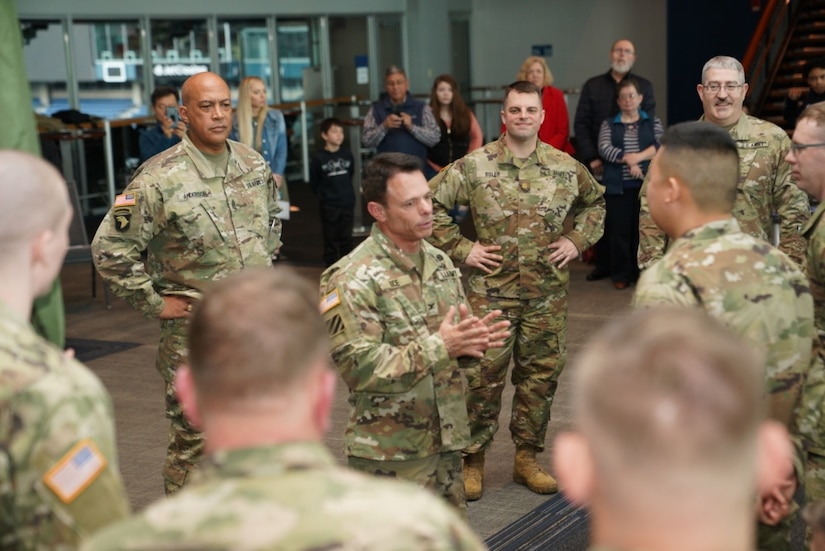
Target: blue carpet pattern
555, 524
89, 349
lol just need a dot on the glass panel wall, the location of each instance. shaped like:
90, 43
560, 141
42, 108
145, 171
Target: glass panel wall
180, 49
243, 51
298, 59
44, 54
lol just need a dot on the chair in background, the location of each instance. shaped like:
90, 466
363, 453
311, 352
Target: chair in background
80, 250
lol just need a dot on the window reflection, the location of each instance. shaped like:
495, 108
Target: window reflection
180, 49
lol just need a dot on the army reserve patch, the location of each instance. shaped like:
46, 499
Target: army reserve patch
123, 219
75, 471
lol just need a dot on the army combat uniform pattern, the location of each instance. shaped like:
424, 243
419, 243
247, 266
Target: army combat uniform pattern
59, 477
765, 186
753, 288
290, 497
521, 205
198, 223
406, 394
811, 419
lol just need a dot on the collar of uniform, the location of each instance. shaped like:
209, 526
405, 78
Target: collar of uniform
204, 168
814, 219
267, 460
714, 229
431, 261
543, 155
742, 127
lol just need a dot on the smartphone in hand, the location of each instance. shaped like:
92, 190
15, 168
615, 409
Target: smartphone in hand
174, 116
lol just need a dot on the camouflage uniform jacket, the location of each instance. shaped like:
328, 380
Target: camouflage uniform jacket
56, 435
765, 186
753, 288
521, 206
197, 225
811, 419
406, 394
290, 497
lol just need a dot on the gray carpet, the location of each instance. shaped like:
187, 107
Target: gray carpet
555, 524
86, 350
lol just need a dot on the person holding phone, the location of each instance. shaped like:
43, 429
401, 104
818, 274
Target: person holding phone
169, 130
399, 123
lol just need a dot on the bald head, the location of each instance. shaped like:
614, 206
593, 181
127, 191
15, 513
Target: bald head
207, 111
33, 199
193, 86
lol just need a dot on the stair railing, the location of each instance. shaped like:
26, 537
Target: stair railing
768, 46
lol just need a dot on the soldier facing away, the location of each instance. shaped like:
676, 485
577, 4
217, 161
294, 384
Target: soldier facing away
259, 386
203, 209
59, 478
753, 288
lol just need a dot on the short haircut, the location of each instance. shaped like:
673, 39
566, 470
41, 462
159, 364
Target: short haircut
815, 63
724, 62
521, 87
254, 335
670, 401
394, 69
705, 158
629, 82
380, 169
816, 114
328, 123
522, 72
162, 92
814, 515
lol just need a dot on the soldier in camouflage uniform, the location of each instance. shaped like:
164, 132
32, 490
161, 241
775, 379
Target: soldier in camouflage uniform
259, 361
807, 159
765, 186
59, 478
399, 322
743, 281
519, 191
202, 209
670, 443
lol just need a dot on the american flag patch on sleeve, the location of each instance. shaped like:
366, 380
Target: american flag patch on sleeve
125, 200
330, 301
75, 471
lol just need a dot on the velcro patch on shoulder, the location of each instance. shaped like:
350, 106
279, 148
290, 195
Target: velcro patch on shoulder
335, 325
126, 200
330, 301
75, 471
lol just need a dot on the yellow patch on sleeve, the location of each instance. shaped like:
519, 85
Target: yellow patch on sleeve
126, 200
330, 301
75, 471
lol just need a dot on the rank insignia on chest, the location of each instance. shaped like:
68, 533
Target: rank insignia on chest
122, 218
524, 185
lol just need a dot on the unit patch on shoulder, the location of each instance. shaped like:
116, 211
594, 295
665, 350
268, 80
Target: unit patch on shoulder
122, 218
75, 471
335, 325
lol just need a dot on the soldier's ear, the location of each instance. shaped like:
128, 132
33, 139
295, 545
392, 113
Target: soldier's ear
377, 211
187, 395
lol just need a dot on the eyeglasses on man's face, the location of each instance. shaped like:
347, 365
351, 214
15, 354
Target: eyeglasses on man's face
715, 87
797, 147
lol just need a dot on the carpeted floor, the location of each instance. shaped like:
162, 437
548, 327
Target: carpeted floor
87, 350
555, 524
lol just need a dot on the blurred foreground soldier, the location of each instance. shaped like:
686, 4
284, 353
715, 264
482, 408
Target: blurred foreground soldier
670, 445
202, 209
260, 389
807, 159
59, 478
750, 286
764, 184
399, 325
814, 515
519, 191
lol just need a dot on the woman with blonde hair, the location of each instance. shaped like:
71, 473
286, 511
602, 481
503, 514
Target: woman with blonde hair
555, 130
261, 128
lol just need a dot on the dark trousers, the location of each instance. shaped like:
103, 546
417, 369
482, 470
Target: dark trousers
621, 233
336, 225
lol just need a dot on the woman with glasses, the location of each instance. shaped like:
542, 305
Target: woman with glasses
627, 142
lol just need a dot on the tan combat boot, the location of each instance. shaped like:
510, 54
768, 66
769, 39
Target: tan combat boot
527, 471
473, 475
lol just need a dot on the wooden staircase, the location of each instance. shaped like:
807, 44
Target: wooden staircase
807, 41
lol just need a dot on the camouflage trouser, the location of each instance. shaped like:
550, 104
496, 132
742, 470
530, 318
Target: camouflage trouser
441, 473
537, 344
185, 443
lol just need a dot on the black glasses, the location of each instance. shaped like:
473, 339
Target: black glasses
797, 147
